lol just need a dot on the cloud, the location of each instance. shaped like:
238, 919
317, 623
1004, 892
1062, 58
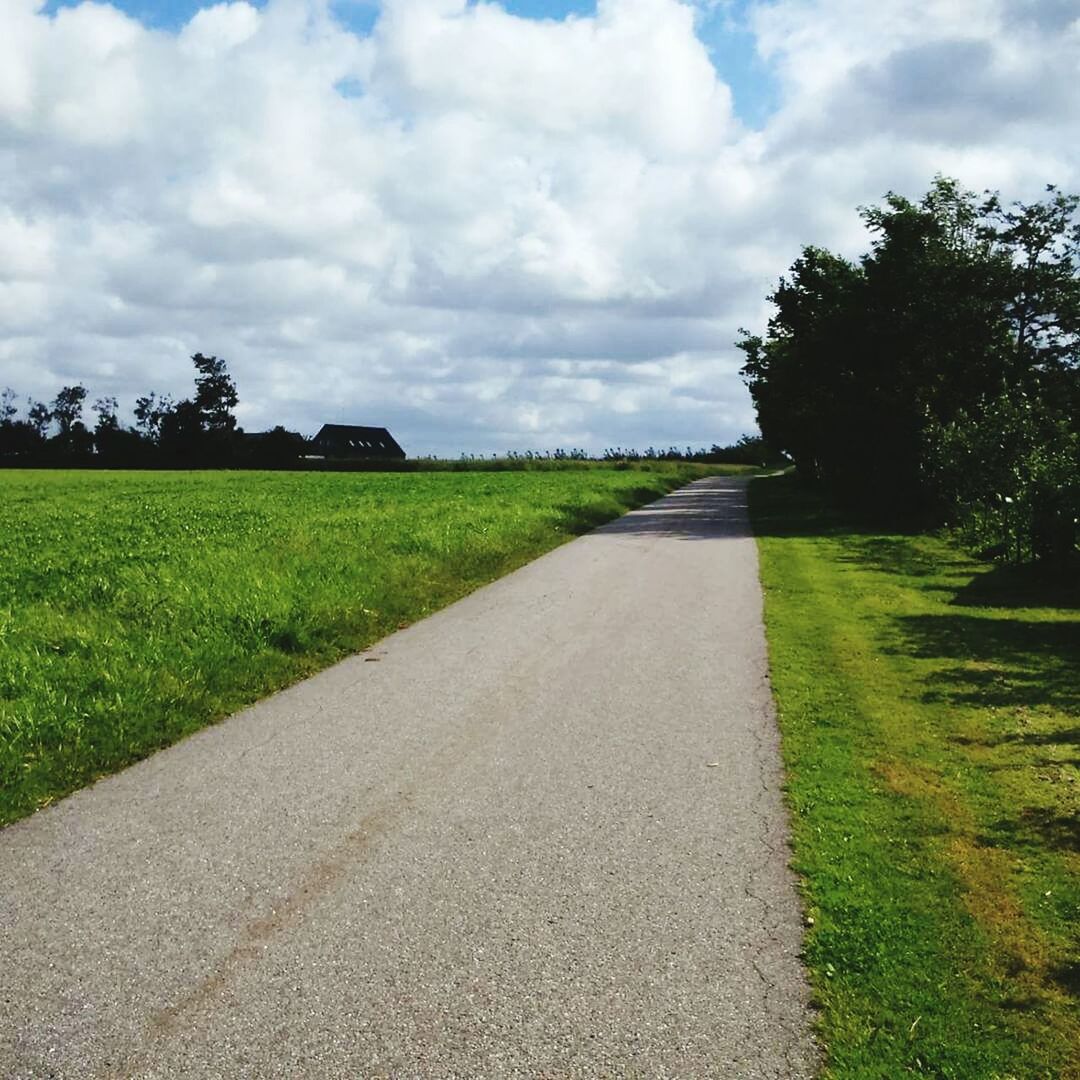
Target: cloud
486, 231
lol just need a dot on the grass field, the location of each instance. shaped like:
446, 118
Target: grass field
929, 708
138, 607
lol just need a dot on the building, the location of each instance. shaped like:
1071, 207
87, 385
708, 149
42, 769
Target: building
349, 442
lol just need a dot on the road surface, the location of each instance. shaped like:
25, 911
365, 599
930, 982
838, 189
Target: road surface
539, 834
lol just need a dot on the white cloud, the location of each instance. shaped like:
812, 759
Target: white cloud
482, 230
215, 31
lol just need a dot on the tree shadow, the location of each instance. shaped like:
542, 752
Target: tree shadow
893, 555
899, 555
1034, 828
1008, 664
784, 506
714, 508
1003, 663
1067, 976
579, 519
1036, 586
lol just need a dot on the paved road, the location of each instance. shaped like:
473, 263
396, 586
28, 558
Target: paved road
539, 834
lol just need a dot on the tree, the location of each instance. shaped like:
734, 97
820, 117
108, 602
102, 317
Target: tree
1010, 479
67, 408
106, 409
799, 374
277, 448
150, 411
1043, 240
18, 438
39, 416
201, 429
183, 435
215, 394
865, 367
112, 442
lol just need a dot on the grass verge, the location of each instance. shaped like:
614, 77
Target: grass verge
136, 607
929, 711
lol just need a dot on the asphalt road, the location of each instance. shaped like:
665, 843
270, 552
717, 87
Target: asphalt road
539, 834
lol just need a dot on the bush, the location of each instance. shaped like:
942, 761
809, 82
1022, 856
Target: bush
1009, 478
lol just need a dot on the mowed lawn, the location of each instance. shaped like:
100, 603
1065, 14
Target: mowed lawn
137, 607
930, 711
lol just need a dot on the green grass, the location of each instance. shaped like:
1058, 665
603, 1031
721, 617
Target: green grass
929, 711
137, 607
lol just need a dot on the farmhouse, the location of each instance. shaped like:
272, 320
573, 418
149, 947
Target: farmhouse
347, 441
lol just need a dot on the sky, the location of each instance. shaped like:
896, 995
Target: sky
486, 226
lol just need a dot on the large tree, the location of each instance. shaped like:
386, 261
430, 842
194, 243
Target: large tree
958, 302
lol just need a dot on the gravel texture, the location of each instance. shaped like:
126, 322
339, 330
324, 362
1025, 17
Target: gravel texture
539, 834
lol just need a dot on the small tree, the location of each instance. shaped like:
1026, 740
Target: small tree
67, 408
150, 411
215, 394
106, 408
39, 416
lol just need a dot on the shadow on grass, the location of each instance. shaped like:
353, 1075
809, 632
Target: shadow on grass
1001, 663
1033, 828
1010, 663
1067, 976
1022, 587
892, 556
788, 506
981, 652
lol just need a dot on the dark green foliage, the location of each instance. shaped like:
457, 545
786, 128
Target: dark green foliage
183, 436
889, 379
19, 440
111, 441
107, 419
1010, 476
72, 440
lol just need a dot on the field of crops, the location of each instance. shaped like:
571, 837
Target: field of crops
138, 607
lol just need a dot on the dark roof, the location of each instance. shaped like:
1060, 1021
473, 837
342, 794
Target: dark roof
351, 440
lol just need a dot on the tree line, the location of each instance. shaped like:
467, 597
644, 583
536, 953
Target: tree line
936, 379
198, 431
749, 450
201, 431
